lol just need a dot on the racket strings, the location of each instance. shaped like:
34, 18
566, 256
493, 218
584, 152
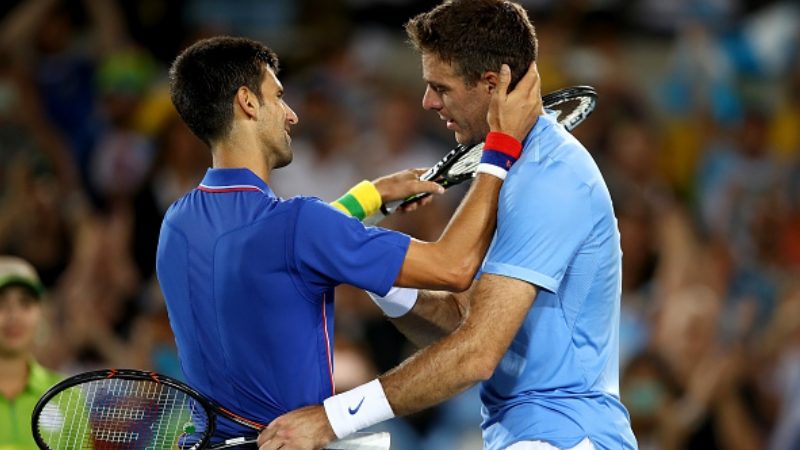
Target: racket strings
121, 414
572, 111
467, 163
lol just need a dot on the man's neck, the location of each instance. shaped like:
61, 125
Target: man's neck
13, 375
240, 151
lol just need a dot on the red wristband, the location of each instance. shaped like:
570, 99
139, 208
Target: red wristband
503, 143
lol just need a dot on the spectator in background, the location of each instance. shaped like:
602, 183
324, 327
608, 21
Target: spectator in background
715, 407
394, 143
783, 350
322, 165
61, 53
39, 190
22, 379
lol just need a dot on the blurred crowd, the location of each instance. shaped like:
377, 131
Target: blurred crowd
697, 133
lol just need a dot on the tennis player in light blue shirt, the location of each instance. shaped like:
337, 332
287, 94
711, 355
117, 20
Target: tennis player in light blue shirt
558, 381
538, 328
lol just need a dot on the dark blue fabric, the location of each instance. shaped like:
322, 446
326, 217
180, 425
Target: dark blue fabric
248, 280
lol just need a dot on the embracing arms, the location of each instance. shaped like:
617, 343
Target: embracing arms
451, 365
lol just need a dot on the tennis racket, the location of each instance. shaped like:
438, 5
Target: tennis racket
125, 409
571, 106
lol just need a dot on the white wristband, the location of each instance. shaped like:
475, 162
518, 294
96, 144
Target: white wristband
491, 169
357, 408
397, 302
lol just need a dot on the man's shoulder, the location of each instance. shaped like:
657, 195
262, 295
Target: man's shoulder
558, 155
315, 208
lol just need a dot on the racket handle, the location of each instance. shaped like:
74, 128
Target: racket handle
362, 441
391, 207
356, 441
412, 199
384, 211
235, 442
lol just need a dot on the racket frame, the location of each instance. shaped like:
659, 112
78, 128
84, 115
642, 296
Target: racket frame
211, 409
438, 173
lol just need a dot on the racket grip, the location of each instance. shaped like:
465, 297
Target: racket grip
389, 208
385, 210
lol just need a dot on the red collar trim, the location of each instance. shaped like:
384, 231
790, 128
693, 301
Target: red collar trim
224, 189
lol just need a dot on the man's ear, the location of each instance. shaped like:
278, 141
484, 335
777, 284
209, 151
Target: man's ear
490, 79
247, 101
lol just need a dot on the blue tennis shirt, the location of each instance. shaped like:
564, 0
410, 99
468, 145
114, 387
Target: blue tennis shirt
558, 381
248, 280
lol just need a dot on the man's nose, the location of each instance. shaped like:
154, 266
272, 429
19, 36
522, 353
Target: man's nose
431, 100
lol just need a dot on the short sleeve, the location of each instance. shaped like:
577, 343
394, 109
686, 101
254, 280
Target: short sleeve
543, 218
334, 248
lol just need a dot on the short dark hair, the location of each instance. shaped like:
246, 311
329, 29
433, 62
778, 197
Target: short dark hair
476, 36
204, 79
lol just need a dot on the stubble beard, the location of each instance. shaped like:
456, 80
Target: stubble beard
283, 155
472, 136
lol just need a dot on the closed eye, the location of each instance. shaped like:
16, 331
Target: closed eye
438, 88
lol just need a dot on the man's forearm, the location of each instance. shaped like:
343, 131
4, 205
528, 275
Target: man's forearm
444, 369
435, 315
468, 355
451, 262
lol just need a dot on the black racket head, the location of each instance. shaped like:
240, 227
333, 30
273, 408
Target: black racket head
456, 167
122, 409
572, 105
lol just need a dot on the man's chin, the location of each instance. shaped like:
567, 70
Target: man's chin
284, 161
464, 139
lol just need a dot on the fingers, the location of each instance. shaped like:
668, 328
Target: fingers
418, 172
265, 438
530, 80
413, 206
400, 185
503, 80
514, 113
429, 187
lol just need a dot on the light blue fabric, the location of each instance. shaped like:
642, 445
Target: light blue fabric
558, 381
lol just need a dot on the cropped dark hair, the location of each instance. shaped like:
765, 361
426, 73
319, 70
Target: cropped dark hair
476, 36
204, 79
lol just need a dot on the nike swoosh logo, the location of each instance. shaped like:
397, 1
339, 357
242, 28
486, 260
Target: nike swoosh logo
353, 411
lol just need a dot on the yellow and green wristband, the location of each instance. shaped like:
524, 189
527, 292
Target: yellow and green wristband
361, 201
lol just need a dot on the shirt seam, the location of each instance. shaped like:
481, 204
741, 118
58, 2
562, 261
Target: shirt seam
189, 290
583, 301
299, 283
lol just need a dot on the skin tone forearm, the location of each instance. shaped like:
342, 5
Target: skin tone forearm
734, 421
469, 355
435, 315
20, 24
451, 262
433, 374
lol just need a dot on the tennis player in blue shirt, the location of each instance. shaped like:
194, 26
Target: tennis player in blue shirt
541, 333
249, 278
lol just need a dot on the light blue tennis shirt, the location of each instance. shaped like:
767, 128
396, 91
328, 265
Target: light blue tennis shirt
558, 381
